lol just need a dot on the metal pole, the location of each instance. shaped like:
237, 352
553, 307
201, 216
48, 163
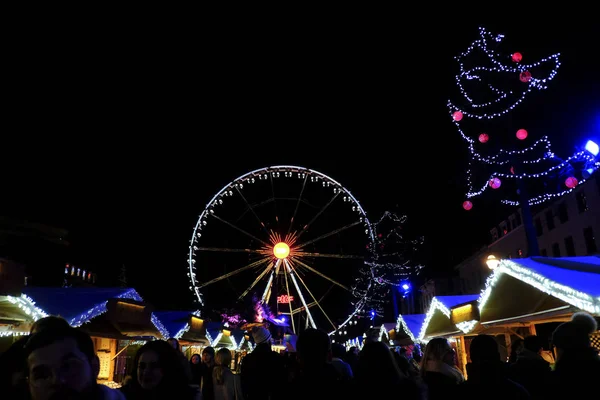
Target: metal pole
533, 248
395, 302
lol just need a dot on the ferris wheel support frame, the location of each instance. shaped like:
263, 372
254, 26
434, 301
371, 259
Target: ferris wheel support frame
288, 266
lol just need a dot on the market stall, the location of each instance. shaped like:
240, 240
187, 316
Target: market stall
521, 297
115, 318
188, 328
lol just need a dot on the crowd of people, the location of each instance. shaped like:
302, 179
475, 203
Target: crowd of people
59, 362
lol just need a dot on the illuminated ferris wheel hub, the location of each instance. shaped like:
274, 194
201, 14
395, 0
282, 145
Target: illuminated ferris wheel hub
288, 237
281, 250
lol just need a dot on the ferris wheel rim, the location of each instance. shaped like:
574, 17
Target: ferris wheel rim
275, 168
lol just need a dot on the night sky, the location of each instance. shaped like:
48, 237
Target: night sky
124, 143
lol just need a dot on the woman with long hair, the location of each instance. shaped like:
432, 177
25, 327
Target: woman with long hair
438, 369
158, 373
226, 384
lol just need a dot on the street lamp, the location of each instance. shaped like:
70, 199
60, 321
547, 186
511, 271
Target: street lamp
492, 262
592, 147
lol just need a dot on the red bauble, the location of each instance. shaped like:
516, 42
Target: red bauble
517, 57
571, 182
525, 76
521, 134
512, 170
467, 205
457, 115
495, 183
483, 138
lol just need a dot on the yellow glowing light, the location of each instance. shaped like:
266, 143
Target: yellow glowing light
281, 250
492, 262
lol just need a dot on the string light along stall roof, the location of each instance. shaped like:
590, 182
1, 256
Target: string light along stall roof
492, 84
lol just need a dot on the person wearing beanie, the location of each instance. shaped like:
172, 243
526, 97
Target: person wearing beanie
575, 334
577, 363
263, 362
261, 335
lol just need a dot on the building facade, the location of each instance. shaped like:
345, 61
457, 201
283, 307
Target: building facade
42, 250
568, 226
437, 287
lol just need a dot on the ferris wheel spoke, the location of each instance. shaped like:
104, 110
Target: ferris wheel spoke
258, 279
255, 205
267, 295
299, 309
241, 230
321, 211
225, 250
295, 282
237, 271
287, 289
274, 202
322, 275
315, 300
297, 204
252, 210
324, 255
326, 235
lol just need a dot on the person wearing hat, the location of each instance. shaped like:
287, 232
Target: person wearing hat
260, 363
577, 362
261, 335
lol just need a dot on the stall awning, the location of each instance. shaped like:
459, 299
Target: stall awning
176, 322
221, 335
184, 325
408, 327
437, 320
240, 338
17, 313
558, 275
549, 289
80, 305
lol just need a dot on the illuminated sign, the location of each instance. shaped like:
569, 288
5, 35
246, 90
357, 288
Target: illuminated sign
464, 313
197, 324
285, 299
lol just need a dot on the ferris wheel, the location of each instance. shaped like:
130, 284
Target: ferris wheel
288, 237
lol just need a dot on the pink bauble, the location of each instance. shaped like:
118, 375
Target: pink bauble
483, 138
525, 76
457, 115
495, 183
517, 57
467, 205
571, 182
521, 134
